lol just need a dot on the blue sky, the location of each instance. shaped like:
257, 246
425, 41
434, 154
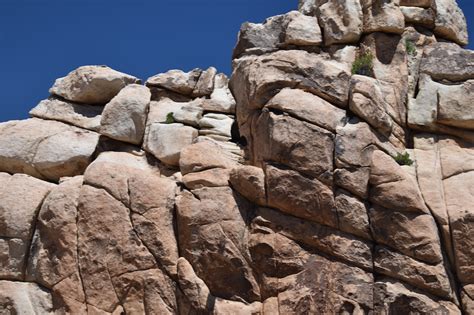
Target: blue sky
41, 40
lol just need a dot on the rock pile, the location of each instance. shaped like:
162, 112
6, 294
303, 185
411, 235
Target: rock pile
332, 174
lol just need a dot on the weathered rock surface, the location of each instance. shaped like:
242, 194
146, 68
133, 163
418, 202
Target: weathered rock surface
24, 298
92, 84
21, 197
124, 117
45, 149
339, 180
79, 115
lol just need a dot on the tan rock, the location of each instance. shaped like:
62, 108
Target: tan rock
302, 146
355, 180
54, 258
392, 187
308, 107
216, 124
455, 105
146, 292
215, 217
391, 296
430, 278
152, 202
107, 246
450, 22
302, 30
202, 301
221, 99
92, 84
422, 16
202, 156
188, 113
346, 289
249, 181
79, 115
352, 214
256, 80
390, 56
415, 235
448, 61
214, 177
176, 81
456, 156
259, 38
24, 298
299, 196
112, 170
382, 17
45, 149
431, 185
165, 141
341, 21
366, 101
459, 196
343, 246
124, 117
416, 3
205, 84
354, 144
21, 197
467, 300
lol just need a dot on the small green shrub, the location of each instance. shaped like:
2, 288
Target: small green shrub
404, 159
363, 65
411, 48
170, 118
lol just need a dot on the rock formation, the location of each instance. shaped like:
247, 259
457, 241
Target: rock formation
333, 173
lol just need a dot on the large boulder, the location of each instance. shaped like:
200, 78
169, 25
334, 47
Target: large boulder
91, 84
124, 117
256, 80
341, 21
165, 141
45, 149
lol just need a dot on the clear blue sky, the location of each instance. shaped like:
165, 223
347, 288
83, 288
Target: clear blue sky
41, 40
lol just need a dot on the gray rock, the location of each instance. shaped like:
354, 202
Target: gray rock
447, 61
450, 22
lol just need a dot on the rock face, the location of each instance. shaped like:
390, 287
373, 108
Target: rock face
339, 180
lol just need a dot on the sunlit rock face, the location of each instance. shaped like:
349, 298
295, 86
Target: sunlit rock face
332, 173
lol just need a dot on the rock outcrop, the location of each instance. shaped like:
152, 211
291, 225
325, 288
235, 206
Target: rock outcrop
333, 173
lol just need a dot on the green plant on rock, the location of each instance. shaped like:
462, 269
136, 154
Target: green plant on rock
410, 47
363, 64
404, 159
170, 118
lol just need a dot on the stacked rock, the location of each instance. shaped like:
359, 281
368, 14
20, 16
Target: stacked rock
339, 180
